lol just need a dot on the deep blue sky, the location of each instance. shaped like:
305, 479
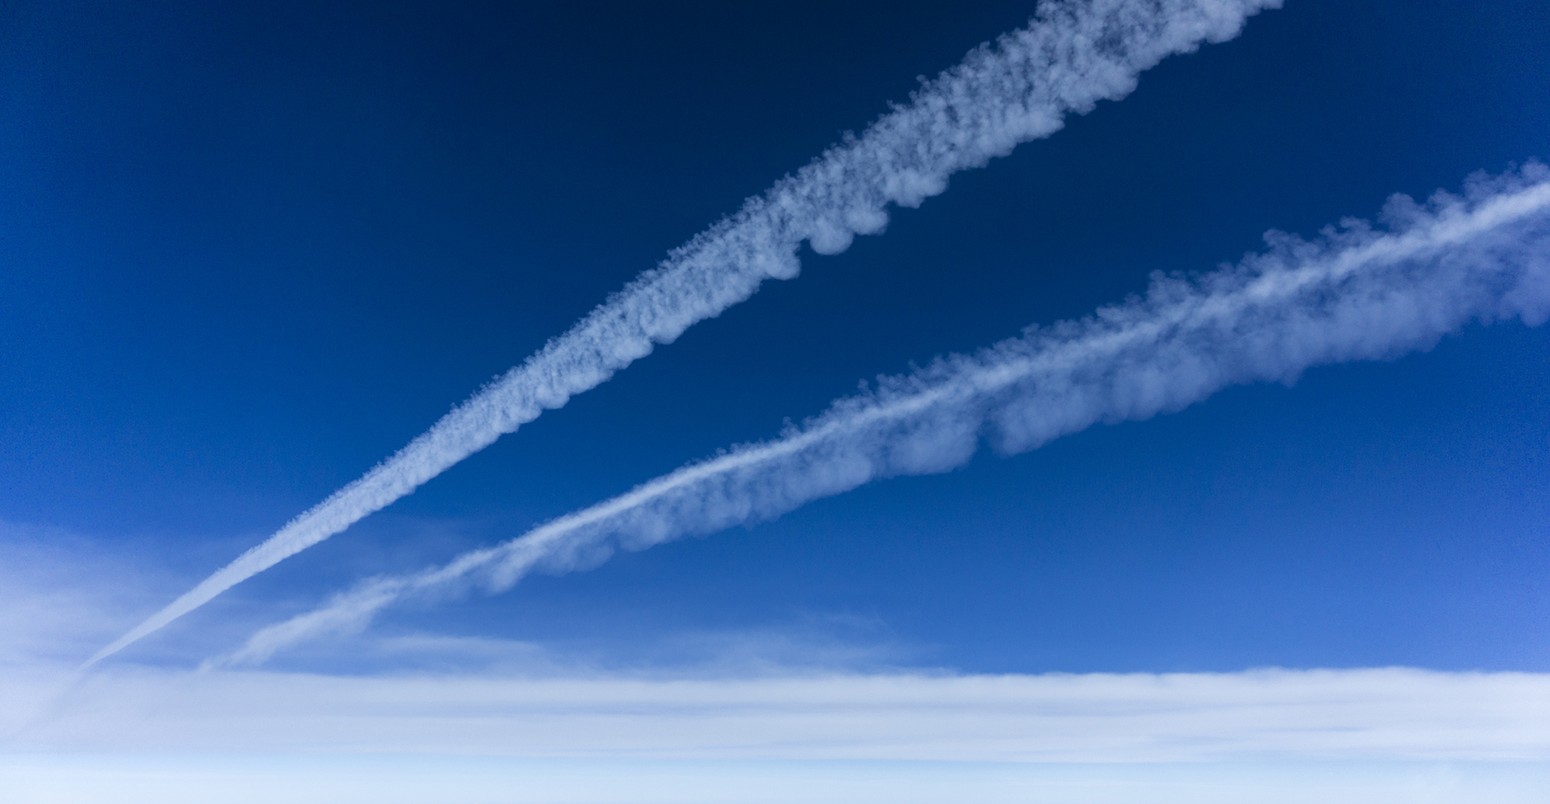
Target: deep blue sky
246, 251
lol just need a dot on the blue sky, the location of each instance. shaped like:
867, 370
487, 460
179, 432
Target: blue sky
250, 251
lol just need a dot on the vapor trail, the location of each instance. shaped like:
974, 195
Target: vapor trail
1068, 58
1357, 293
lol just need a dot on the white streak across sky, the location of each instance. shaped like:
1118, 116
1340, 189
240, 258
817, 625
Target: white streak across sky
1020, 88
1359, 292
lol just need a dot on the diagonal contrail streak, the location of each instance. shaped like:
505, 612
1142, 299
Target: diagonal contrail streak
1357, 293
1020, 88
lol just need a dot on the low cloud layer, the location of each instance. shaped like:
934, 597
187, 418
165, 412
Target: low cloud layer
1353, 715
160, 779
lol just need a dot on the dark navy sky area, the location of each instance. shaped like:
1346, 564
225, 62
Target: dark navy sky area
249, 249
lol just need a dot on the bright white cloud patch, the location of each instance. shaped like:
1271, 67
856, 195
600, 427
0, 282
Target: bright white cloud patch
1387, 735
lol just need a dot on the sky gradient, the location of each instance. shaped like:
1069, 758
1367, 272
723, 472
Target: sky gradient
248, 252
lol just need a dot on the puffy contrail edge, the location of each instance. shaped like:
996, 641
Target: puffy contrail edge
1019, 88
1357, 293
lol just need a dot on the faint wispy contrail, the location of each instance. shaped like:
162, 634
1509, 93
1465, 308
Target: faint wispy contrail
1070, 56
1357, 293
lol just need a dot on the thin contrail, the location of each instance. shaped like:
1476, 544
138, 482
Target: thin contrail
1020, 88
1357, 293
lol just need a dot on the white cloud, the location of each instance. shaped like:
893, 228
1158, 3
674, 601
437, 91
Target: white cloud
184, 779
61, 594
534, 726
1373, 715
1357, 736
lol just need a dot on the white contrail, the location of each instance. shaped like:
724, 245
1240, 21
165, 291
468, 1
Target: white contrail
1357, 293
1066, 60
